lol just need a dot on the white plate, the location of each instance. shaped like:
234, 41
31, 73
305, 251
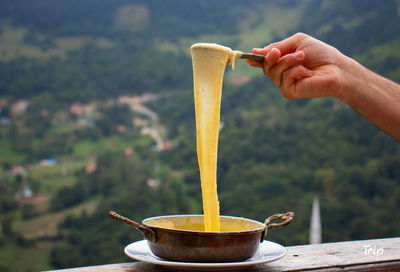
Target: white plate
267, 252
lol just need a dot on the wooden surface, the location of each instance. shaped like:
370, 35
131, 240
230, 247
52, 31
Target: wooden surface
366, 255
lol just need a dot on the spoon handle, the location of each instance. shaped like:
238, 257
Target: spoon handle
251, 56
125, 220
148, 233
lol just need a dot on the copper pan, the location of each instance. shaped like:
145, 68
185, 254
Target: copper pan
181, 237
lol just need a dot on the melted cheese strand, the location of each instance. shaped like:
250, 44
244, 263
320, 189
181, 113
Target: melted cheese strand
209, 61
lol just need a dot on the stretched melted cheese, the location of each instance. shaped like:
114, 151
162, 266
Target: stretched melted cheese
209, 61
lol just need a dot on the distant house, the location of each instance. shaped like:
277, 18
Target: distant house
19, 106
48, 162
82, 109
18, 170
85, 112
128, 151
90, 168
85, 122
168, 144
24, 193
153, 183
76, 108
45, 112
121, 128
3, 103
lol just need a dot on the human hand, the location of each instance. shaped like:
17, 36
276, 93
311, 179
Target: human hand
303, 67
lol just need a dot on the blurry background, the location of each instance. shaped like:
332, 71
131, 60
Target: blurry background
97, 114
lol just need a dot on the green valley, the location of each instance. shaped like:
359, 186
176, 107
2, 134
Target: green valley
97, 114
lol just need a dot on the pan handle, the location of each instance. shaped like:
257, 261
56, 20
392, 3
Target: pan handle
148, 233
287, 218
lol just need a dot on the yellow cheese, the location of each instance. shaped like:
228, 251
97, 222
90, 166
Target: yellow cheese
196, 223
209, 61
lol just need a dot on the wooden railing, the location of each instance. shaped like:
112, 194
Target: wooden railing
365, 255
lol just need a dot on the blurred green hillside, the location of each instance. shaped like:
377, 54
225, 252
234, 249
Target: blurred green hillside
97, 114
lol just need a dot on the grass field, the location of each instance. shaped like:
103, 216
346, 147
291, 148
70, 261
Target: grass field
12, 44
41, 172
46, 225
111, 144
9, 155
51, 184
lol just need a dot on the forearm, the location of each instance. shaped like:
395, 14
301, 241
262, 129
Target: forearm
373, 96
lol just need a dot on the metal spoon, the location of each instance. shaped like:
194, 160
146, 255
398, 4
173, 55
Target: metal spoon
237, 54
251, 56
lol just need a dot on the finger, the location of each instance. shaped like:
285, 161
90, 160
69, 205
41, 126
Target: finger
271, 59
275, 71
293, 80
261, 51
255, 63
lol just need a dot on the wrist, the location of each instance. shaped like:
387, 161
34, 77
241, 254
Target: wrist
353, 77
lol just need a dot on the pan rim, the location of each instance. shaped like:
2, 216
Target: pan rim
155, 227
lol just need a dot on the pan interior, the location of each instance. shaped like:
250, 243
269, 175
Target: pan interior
196, 223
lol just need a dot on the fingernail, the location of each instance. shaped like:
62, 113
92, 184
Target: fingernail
299, 55
309, 72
